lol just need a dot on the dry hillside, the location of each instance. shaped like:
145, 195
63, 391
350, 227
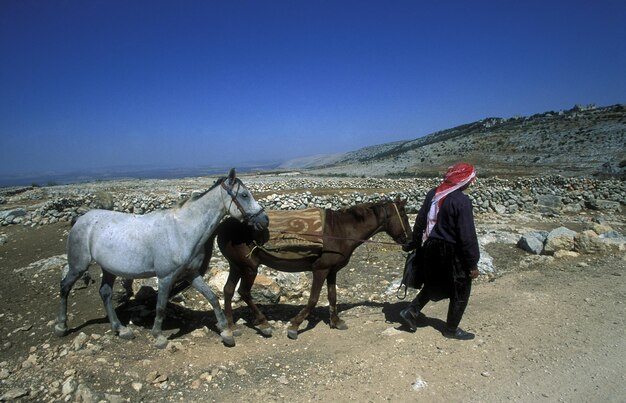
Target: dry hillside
579, 141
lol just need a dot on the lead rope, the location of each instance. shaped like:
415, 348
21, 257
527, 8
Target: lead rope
256, 245
405, 264
401, 222
399, 290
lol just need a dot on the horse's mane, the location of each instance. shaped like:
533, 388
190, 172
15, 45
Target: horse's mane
196, 196
360, 211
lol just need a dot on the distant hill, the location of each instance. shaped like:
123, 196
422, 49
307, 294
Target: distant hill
585, 140
312, 161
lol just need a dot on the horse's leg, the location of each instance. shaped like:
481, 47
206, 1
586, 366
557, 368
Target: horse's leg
247, 281
227, 335
335, 321
229, 291
71, 273
165, 286
127, 283
318, 280
106, 293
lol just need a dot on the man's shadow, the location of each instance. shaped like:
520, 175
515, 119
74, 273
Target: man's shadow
392, 315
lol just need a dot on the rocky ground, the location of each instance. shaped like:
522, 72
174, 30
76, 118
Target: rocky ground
549, 328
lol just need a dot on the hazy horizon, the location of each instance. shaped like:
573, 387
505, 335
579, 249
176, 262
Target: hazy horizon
131, 171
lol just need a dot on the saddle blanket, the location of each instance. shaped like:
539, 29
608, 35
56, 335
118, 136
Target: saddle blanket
296, 233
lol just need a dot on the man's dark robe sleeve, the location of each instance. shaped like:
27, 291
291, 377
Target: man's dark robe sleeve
420, 221
467, 241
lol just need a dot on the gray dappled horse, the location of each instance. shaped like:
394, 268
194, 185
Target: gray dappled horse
168, 244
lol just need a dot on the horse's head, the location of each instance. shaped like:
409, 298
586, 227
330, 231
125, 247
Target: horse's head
241, 204
396, 223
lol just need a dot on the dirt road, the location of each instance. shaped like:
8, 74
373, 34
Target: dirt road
551, 330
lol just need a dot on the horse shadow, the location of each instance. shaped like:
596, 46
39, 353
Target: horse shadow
181, 320
320, 314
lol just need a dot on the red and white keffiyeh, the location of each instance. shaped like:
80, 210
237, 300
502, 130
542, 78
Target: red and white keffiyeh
455, 178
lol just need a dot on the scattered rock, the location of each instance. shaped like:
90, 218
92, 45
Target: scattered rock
418, 384
79, 341
604, 205
69, 386
85, 394
559, 254
13, 394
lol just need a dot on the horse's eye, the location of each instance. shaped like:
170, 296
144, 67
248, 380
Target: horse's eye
244, 194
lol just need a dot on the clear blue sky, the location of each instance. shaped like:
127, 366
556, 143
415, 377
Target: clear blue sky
87, 84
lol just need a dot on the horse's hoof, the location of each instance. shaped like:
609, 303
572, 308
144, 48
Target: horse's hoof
340, 324
237, 332
125, 333
60, 330
292, 334
227, 338
266, 330
161, 342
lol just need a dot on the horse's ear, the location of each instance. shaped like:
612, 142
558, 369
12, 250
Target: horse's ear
231, 176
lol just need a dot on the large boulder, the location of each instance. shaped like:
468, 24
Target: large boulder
270, 286
560, 238
265, 290
292, 285
533, 242
588, 242
609, 241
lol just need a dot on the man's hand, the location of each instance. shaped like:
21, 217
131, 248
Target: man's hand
474, 273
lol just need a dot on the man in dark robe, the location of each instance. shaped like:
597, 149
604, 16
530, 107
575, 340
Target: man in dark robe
445, 229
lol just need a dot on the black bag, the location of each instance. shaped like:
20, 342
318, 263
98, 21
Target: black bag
413, 276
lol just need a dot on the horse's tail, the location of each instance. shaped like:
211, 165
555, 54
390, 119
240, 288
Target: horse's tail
208, 253
78, 253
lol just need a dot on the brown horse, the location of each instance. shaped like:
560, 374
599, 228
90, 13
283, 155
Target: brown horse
343, 232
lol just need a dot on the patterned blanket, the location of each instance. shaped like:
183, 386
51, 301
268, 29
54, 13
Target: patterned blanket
295, 234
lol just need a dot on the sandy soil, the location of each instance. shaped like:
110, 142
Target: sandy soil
547, 330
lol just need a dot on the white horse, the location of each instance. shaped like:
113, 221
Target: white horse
168, 244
